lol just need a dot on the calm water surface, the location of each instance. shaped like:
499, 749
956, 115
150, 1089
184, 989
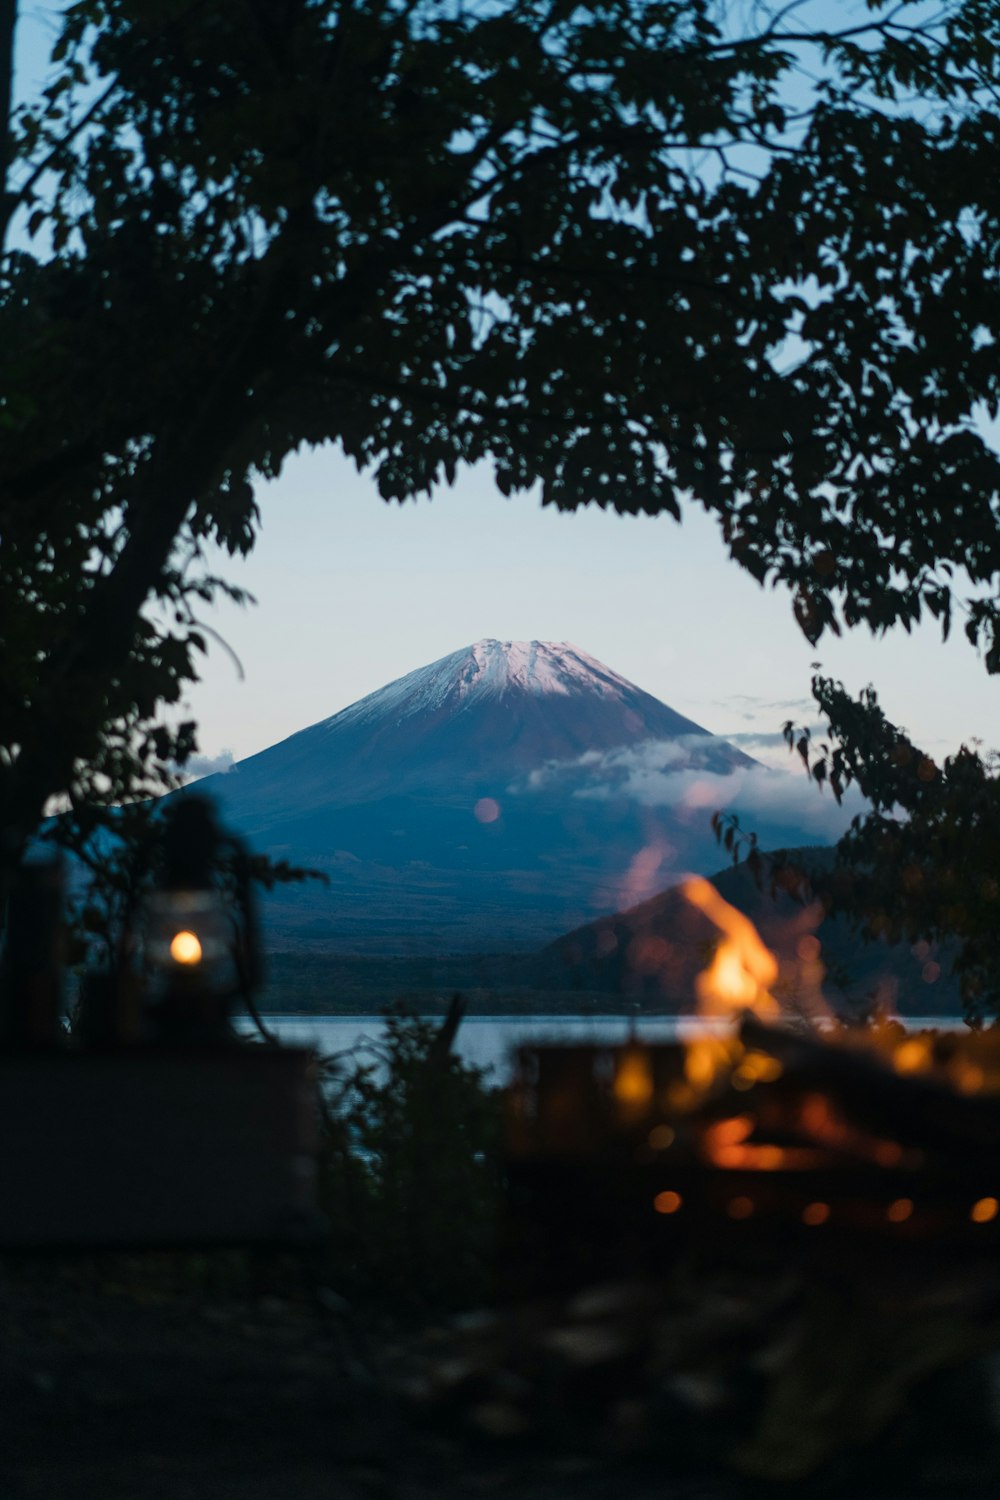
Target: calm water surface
489, 1041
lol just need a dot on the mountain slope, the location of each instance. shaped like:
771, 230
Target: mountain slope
652, 952
491, 711
485, 801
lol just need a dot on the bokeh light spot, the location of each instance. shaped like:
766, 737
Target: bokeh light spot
912, 1056
739, 1208
185, 948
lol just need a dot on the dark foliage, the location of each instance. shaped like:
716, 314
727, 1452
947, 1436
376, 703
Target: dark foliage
921, 865
629, 253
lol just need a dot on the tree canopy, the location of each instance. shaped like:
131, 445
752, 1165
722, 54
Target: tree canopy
635, 253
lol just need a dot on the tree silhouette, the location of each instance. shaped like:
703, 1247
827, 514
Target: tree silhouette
637, 254
922, 864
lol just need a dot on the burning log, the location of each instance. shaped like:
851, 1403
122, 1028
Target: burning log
914, 1110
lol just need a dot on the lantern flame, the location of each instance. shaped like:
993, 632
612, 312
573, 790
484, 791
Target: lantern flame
185, 949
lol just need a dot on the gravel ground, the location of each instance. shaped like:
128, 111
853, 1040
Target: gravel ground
105, 1397
112, 1393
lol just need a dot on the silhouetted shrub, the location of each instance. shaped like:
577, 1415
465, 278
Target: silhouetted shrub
410, 1176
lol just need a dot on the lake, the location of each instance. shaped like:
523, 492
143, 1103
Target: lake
489, 1041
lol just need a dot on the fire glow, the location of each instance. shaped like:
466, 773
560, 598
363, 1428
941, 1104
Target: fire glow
752, 1120
742, 970
738, 980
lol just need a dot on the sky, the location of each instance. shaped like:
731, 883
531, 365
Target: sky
353, 593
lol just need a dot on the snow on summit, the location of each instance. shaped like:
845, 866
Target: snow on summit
541, 667
489, 669
536, 667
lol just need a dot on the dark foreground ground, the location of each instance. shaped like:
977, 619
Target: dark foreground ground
110, 1390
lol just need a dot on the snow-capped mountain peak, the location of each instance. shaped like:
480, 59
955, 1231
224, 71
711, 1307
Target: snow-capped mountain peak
489, 669
542, 667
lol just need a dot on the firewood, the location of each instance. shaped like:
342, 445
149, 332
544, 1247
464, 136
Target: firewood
913, 1110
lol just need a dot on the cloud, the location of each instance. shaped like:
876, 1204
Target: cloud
616, 769
209, 765
657, 774
791, 705
757, 794
743, 702
751, 739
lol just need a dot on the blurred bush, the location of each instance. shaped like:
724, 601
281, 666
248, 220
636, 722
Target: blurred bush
410, 1174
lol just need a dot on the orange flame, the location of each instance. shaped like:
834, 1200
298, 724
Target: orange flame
743, 968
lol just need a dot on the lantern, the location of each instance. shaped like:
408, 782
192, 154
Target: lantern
198, 934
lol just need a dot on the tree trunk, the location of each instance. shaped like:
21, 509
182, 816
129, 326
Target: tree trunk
8, 28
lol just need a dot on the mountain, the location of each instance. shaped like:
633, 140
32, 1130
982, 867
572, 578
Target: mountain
641, 961
485, 802
651, 953
488, 713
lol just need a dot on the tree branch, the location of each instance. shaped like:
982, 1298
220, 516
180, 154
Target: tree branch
8, 27
13, 201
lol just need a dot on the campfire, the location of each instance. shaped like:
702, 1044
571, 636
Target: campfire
757, 1123
750, 1247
